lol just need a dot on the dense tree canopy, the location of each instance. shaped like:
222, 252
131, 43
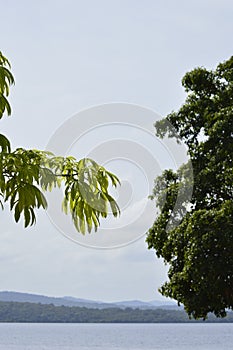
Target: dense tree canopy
199, 250
26, 174
37, 312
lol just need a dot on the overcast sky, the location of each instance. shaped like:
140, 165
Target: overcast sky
68, 56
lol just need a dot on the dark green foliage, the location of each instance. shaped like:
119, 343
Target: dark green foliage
26, 174
32, 312
6, 79
199, 250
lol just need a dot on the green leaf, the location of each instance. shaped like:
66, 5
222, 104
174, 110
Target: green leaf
4, 144
17, 212
27, 217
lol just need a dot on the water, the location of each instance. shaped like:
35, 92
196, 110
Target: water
25, 336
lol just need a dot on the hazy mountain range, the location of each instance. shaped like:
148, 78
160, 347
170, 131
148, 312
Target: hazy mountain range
91, 304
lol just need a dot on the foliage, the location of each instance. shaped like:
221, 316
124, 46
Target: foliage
199, 250
33, 312
26, 174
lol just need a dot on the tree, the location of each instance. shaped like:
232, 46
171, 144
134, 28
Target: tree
199, 250
26, 174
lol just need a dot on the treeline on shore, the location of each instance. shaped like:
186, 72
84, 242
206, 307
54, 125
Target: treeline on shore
33, 312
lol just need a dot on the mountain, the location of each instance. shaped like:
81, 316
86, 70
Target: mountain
42, 299
90, 304
143, 305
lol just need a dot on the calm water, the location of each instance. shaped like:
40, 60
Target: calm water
116, 336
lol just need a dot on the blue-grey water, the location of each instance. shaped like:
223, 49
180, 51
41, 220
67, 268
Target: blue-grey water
16, 336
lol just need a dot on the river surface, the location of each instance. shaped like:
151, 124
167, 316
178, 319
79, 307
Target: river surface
47, 336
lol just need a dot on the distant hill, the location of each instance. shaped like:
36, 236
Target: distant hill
9, 296
143, 305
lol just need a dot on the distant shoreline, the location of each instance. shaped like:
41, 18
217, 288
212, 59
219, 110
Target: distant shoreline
26, 312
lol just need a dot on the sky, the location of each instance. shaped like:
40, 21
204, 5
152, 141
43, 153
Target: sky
75, 62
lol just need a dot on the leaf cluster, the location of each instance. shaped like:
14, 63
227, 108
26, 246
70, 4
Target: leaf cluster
6, 79
26, 174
